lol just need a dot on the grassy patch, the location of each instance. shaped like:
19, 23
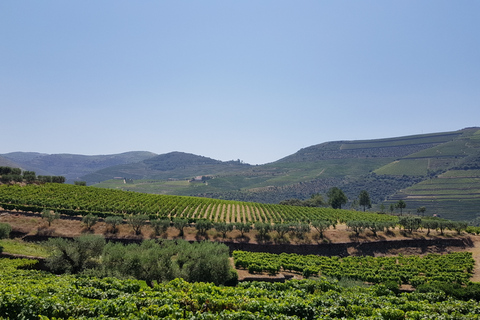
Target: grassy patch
17, 246
417, 167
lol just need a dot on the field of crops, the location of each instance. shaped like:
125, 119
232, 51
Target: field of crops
30, 294
455, 267
78, 200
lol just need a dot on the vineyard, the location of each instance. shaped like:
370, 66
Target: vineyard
31, 294
79, 200
455, 267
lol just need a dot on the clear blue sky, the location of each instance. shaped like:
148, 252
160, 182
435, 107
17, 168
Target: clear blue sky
250, 80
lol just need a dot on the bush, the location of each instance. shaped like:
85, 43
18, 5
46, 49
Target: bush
74, 256
5, 230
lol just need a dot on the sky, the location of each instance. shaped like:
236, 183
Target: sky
250, 80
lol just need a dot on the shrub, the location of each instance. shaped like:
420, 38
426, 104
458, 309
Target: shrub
5, 230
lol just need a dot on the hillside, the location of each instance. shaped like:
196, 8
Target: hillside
383, 167
170, 166
72, 166
437, 170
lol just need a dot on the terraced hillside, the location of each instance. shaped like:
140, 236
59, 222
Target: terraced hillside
454, 194
386, 168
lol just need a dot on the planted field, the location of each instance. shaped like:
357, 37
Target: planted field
30, 294
77, 200
454, 267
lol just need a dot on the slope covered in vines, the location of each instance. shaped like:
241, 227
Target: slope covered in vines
79, 200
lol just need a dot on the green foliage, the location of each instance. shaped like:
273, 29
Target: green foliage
336, 198
75, 200
203, 225
223, 228
315, 200
137, 221
89, 221
5, 230
281, 229
180, 224
74, 256
50, 216
262, 229
18, 246
454, 267
30, 294
401, 205
243, 228
410, 224
160, 226
321, 226
364, 200
80, 183
113, 222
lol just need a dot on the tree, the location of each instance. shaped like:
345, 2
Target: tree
364, 200
281, 229
29, 176
243, 228
80, 183
223, 228
137, 221
316, 200
336, 198
429, 224
410, 223
160, 226
401, 205
180, 224
50, 216
357, 226
262, 228
89, 221
421, 210
300, 229
382, 208
391, 208
114, 222
321, 226
203, 225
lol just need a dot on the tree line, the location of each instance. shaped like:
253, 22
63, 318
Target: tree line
8, 174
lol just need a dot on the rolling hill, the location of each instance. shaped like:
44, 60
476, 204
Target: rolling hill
389, 169
440, 171
71, 166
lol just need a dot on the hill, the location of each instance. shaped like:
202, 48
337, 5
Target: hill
440, 171
170, 166
389, 169
71, 166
